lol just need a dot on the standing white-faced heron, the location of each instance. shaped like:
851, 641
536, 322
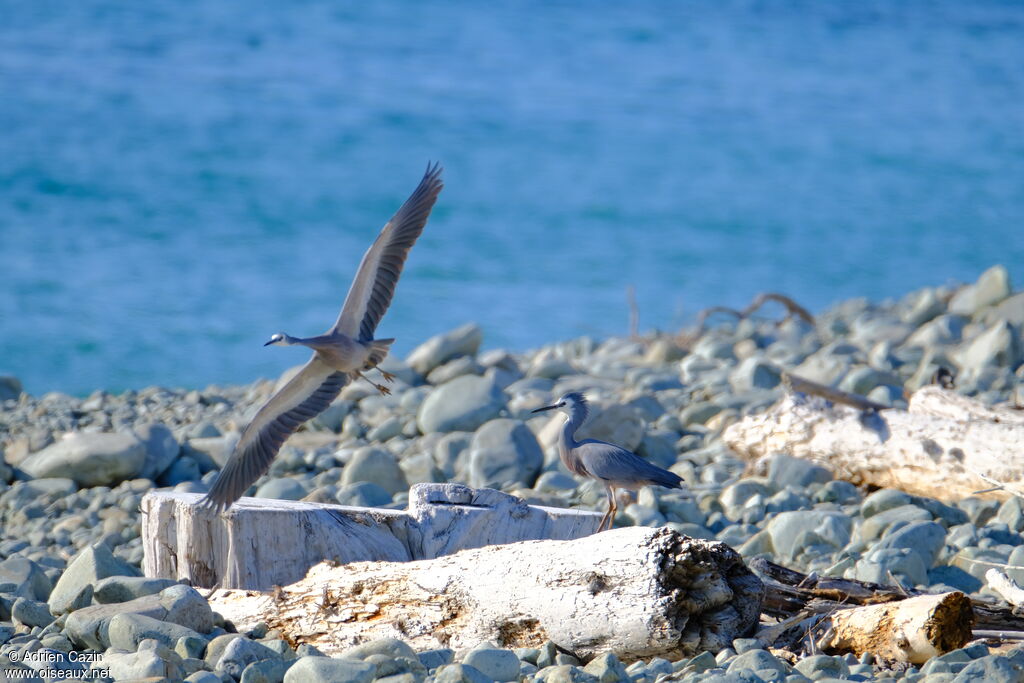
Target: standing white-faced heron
340, 355
612, 465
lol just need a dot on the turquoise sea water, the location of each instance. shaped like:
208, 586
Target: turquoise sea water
180, 179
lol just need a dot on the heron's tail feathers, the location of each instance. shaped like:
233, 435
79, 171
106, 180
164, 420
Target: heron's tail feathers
669, 480
378, 351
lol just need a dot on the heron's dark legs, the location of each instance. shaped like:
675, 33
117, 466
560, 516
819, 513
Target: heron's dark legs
380, 387
609, 516
388, 377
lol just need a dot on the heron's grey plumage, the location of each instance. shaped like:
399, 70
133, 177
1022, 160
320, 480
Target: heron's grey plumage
612, 465
338, 356
374, 285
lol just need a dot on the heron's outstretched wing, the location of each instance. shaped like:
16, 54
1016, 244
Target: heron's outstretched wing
305, 395
374, 285
619, 467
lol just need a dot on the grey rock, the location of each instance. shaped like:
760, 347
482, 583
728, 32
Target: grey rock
333, 416
187, 607
161, 449
955, 578
392, 647
756, 660
502, 451
125, 631
754, 373
926, 305
876, 525
992, 287
74, 589
191, 647
827, 365
880, 565
499, 665
179, 604
152, 660
28, 577
944, 330
816, 665
329, 670
421, 469
785, 470
699, 412
363, 494
1011, 310
884, 499
181, 470
606, 668
999, 345
462, 341
378, 466
923, 538
432, 659
282, 488
992, 669
217, 645
266, 671
31, 613
550, 366
210, 453
863, 379
460, 673
789, 530
462, 404
125, 588
240, 653
449, 449
388, 429
204, 677
90, 459
464, 365
10, 388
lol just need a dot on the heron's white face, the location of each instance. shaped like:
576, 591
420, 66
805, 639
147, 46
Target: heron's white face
566, 404
277, 340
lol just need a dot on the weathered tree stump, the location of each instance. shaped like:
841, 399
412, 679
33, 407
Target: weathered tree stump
638, 592
947, 447
261, 542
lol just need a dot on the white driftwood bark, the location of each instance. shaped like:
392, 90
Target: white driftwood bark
912, 630
638, 592
920, 453
934, 400
260, 543
1005, 587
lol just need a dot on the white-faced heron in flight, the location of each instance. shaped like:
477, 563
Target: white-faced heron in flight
612, 465
340, 355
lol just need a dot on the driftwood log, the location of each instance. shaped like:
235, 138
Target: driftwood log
946, 446
261, 542
915, 625
638, 592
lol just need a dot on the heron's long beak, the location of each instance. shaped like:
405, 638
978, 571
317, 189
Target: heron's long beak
541, 410
269, 342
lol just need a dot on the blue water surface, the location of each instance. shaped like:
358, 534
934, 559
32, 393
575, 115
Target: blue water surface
180, 179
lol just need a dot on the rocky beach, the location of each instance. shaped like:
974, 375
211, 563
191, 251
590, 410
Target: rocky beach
74, 471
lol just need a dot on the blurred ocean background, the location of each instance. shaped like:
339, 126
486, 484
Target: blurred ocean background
180, 179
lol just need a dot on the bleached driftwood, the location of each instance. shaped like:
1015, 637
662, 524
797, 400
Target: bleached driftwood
912, 630
638, 592
1005, 587
260, 542
920, 453
934, 400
